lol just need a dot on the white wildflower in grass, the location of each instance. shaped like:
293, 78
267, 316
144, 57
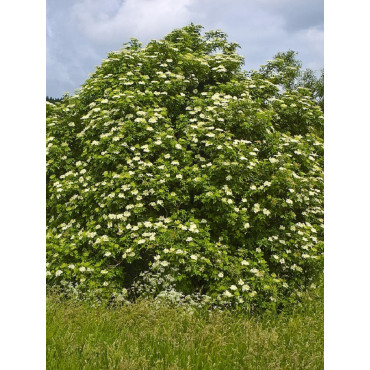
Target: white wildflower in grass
58, 272
233, 287
189, 239
194, 257
178, 146
241, 282
82, 269
245, 287
107, 254
141, 241
164, 263
245, 263
71, 267
227, 294
104, 272
247, 225
220, 274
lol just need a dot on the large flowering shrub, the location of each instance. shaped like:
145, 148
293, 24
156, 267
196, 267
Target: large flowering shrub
173, 172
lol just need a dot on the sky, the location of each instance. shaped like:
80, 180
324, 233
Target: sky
80, 33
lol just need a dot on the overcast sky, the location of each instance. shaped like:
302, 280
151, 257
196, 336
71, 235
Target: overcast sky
79, 33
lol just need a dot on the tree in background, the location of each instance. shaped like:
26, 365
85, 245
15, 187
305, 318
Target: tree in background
285, 70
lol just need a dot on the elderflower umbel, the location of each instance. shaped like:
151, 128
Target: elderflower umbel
256, 208
227, 294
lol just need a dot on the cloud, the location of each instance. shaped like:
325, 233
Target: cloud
81, 32
143, 19
298, 14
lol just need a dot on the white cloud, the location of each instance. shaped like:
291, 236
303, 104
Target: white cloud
144, 19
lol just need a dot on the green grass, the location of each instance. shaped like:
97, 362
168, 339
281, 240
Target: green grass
80, 336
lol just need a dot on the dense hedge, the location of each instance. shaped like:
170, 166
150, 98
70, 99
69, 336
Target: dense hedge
173, 173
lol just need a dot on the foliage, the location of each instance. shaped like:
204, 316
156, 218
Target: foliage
172, 170
285, 70
53, 100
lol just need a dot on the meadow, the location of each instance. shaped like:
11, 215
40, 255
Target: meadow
140, 336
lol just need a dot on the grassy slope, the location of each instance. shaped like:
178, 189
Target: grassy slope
138, 337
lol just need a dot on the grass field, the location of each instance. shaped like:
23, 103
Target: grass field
80, 336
